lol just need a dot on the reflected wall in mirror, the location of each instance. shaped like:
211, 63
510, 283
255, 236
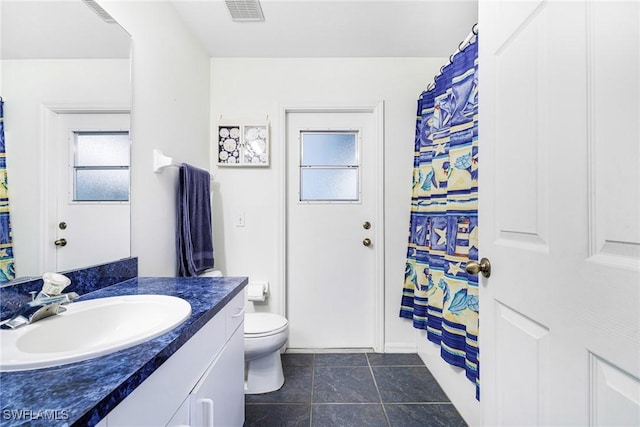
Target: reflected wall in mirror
59, 59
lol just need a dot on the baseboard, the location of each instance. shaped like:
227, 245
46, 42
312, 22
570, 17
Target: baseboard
395, 347
454, 382
400, 347
329, 350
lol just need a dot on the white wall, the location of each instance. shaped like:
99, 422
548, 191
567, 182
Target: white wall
255, 88
170, 76
27, 85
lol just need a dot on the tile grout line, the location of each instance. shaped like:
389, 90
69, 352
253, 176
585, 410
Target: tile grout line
375, 383
313, 374
418, 403
346, 403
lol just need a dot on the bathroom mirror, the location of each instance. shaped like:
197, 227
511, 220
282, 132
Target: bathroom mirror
59, 58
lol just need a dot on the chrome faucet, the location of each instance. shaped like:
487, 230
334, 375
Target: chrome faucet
48, 302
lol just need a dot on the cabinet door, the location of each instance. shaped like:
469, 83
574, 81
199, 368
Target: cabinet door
218, 398
234, 314
181, 417
155, 401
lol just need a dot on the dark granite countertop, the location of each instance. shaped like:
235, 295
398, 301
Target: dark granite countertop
83, 393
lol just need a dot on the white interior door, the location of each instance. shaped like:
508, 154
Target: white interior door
332, 283
91, 229
559, 212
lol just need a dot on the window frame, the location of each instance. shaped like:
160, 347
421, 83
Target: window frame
357, 165
73, 156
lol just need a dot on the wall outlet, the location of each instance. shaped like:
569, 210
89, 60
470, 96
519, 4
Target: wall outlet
240, 219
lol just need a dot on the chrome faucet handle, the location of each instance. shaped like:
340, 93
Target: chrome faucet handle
55, 300
54, 284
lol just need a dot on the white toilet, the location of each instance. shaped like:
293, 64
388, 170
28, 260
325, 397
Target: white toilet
264, 336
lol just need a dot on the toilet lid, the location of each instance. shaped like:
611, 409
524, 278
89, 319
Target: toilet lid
263, 323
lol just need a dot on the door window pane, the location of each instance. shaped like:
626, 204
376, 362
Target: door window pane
101, 185
102, 149
101, 166
329, 168
328, 148
329, 184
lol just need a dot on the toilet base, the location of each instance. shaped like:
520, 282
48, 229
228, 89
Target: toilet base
264, 374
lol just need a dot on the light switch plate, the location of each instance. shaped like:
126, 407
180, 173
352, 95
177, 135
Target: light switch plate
240, 219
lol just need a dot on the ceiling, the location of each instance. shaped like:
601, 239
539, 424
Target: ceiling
292, 28
60, 29
333, 28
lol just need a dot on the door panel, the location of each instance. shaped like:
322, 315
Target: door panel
614, 172
614, 395
524, 336
559, 212
521, 149
331, 286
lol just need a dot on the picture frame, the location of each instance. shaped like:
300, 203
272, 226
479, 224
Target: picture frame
243, 144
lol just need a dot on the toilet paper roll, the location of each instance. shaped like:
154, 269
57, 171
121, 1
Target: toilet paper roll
256, 292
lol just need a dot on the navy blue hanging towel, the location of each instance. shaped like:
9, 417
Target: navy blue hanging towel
194, 240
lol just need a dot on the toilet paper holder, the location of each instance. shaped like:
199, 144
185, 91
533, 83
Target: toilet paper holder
257, 291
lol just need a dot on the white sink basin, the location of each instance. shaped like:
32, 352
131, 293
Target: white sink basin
90, 329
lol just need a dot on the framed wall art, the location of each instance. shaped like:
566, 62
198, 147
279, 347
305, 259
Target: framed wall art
243, 144
229, 144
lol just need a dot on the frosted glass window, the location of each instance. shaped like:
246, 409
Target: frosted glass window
102, 149
329, 168
101, 185
330, 184
101, 166
329, 148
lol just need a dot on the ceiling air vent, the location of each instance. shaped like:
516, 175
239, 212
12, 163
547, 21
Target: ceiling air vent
245, 10
93, 5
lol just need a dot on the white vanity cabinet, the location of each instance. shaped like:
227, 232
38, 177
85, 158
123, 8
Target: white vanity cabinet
201, 384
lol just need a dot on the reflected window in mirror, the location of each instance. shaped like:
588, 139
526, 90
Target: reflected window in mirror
101, 167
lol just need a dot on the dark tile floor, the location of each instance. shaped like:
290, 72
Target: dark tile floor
353, 389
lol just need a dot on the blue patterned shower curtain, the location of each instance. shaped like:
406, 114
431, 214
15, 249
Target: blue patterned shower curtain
7, 271
439, 296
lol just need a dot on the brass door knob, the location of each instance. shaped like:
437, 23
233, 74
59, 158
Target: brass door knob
484, 267
366, 225
366, 242
60, 242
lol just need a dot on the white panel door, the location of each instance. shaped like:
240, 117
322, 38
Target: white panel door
331, 274
94, 232
560, 212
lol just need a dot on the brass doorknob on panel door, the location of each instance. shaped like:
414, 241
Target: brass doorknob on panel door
60, 242
484, 267
366, 242
366, 225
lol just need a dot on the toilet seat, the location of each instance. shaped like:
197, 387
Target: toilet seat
258, 325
